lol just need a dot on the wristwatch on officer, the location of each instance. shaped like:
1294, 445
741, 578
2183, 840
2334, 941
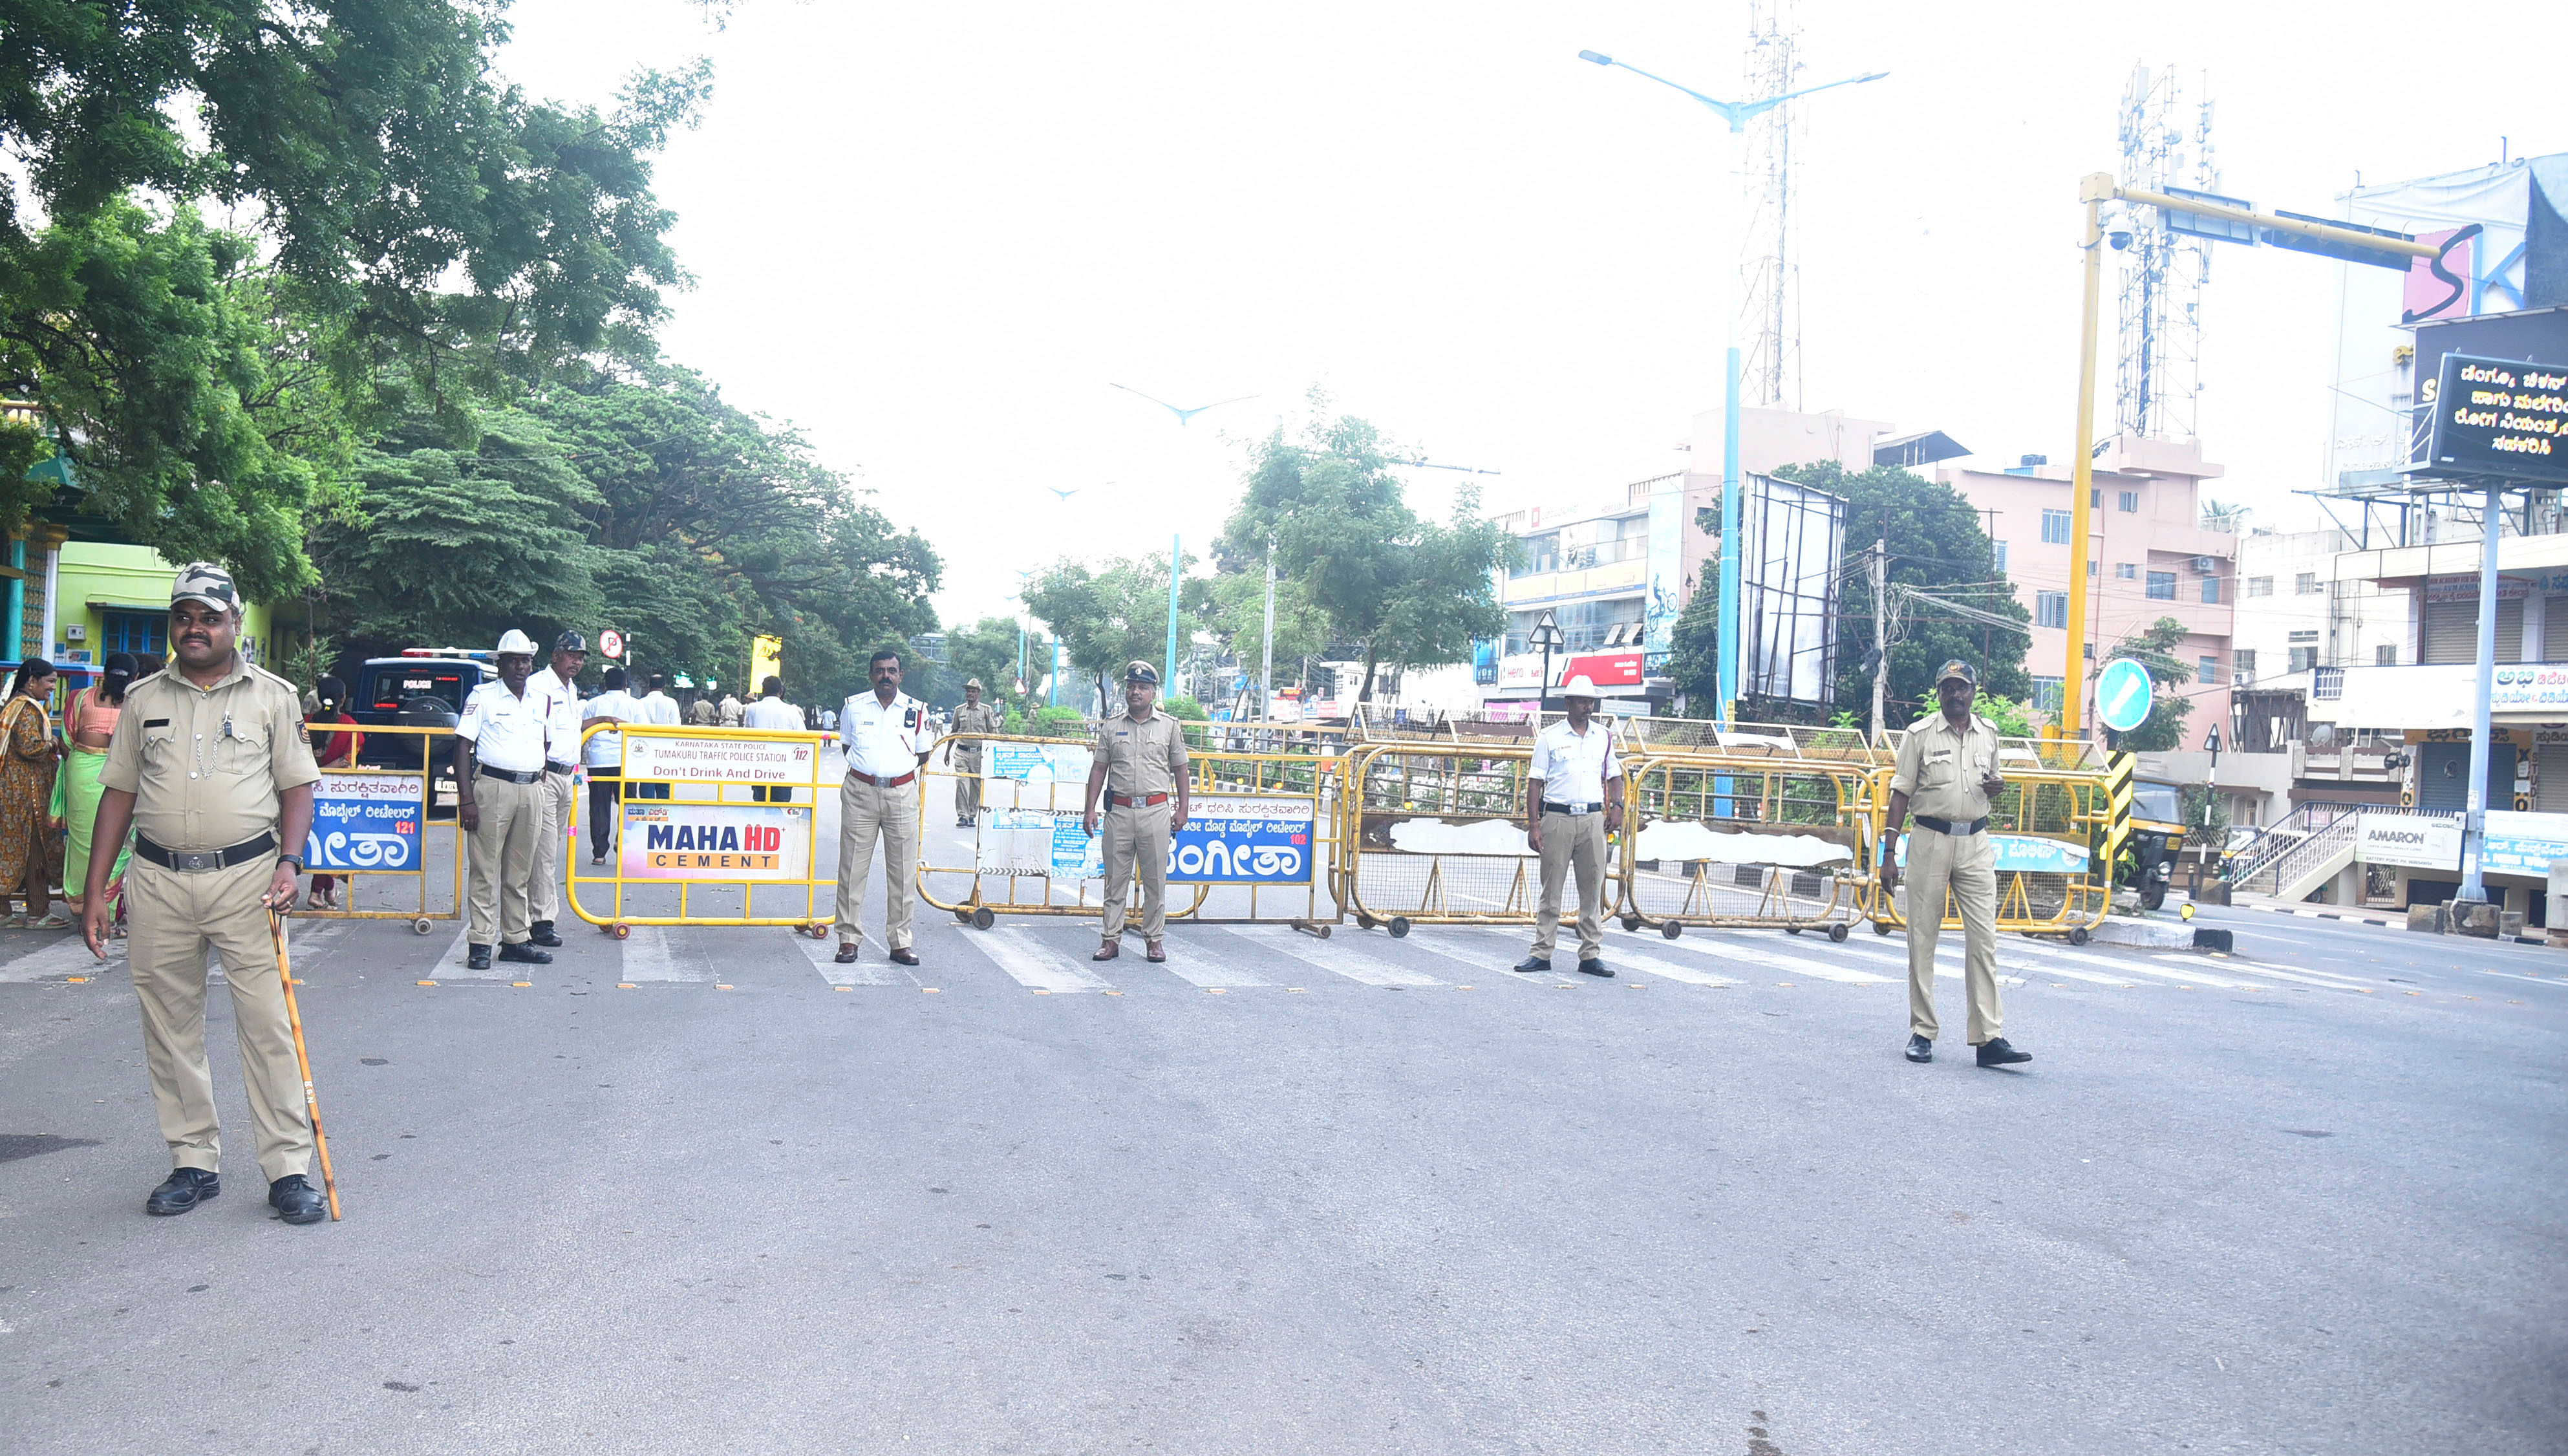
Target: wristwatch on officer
295, 860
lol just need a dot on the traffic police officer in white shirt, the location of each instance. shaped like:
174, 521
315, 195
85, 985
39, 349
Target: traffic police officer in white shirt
1573, 799
500, 756
770, 712
558, 686
1948, 772
886, 736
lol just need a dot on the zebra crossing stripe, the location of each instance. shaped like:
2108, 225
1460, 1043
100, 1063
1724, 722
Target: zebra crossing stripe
1034, 964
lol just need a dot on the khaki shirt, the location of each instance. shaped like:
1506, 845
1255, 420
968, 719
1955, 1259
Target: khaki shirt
1940, 769
1141, 758
976, 718
206, 765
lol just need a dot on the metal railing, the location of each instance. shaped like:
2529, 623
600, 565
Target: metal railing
2279, 838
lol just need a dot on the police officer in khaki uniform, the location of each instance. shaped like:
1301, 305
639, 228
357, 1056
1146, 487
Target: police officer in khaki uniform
1947, 773
1141, 761
209, 764
974, 716
1573, 800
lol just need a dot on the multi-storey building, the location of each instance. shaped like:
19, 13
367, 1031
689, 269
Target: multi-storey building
2151, 552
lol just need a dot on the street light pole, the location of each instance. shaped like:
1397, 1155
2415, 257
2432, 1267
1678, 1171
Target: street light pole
1266, 664
2474, 822
1738, 114
1176, 569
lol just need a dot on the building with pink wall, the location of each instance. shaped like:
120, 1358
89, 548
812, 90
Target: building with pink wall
2149, 555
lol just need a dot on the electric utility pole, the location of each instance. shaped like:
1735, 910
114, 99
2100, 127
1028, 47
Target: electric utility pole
1266, 666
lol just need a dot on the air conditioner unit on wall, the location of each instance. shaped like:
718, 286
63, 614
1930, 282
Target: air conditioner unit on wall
2205, 565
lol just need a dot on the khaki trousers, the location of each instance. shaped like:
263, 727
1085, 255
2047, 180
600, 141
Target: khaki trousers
1137, 847
867, 813
172, 919
967, 783
554, 797
503, 859
1967, 868
1572, 841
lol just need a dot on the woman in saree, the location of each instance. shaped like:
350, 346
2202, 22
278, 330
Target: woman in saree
26, 755
87, 720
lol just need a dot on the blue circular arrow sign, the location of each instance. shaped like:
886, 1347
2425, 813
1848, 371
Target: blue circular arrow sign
2123, 695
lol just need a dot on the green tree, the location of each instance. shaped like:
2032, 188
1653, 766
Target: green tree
1410, 592
987, 650
411, 214
1115, 616
1936, 545
1236, 614
457, 546
2153, 648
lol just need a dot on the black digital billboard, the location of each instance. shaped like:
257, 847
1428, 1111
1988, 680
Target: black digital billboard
2503, 417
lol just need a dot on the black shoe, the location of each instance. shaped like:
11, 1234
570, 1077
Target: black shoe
182, 1189
525, 952
296, 1201
1920, 1050
542, 933
1532, 964
1996, 1053
1595, 968
477, 957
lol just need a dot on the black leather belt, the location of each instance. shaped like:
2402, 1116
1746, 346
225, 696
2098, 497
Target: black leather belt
1555, 806
507, 775
199, 862
1947, 826
552, 767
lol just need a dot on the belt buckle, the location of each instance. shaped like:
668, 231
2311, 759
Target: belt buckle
1580, 806
197, 861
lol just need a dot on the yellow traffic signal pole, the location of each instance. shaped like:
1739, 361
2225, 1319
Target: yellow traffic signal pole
2095, 189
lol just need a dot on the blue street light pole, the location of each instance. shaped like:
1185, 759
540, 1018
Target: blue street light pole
1176, 569
1738, 115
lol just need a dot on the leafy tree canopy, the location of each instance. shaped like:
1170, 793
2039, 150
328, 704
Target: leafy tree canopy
1115, 616
411, 216
642, 501
987, 650
1413, 592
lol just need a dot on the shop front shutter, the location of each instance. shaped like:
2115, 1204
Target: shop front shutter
2551, 789
2443, 776
2453, 632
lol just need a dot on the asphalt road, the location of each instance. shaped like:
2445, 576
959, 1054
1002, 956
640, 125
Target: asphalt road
703, 1191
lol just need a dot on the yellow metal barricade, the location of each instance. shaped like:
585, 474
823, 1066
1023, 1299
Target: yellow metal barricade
706, 816
2052, 878
1435, 835
372, 821
1260, 848
1747, 842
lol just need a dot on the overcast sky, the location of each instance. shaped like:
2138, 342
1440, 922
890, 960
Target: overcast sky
934, 237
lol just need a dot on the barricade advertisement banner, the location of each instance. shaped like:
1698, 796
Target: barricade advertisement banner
1244, 840
666, 841
364, 821
1037, 762
1229, 840
709, 760
2029, 854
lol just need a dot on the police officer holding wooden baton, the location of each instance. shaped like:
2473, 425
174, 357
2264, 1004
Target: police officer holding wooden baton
1947, 773
209, 765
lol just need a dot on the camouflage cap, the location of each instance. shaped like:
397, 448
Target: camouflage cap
204, 581
1957, 671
